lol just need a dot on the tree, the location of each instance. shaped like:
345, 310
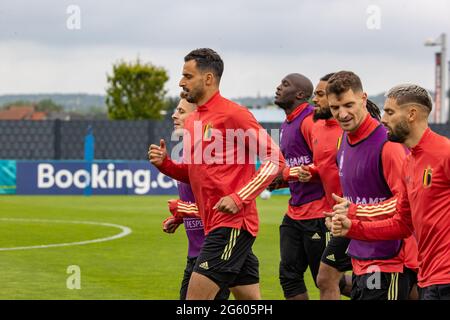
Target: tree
48, 105
136, 91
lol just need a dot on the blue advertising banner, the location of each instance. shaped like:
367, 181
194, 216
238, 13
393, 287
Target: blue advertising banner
102, 177
7, 176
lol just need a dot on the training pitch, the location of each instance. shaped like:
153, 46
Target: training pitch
117, 244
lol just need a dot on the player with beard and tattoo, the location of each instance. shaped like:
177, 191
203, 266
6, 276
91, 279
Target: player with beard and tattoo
423, 205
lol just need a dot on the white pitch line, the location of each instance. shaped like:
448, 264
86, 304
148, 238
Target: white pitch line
125, 231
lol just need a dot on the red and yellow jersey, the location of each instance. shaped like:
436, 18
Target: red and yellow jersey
221, 143
422, 208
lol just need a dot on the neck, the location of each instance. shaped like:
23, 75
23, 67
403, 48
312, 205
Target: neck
292, 107
416, 134
208, 95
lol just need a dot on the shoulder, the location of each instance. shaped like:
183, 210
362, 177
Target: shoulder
308, 123
394, 151
440, 144
236, 111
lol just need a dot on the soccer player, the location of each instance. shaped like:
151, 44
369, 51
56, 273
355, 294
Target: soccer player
224, 182
423, 205
326, 132
185, 206
369, 170
303, 230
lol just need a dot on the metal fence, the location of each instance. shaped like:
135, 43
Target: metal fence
118, 140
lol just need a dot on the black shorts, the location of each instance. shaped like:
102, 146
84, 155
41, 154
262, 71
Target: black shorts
227, 258
301, 245
335, 254
223, 294
381, 286
435, 292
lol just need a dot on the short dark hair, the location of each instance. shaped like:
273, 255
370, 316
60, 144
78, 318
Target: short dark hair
411, 93
327, 77
207, 60
343, 81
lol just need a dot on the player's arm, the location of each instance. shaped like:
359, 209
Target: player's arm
182, 209
272, 163
179, 210
177, 171
398, 226
159, 158
278, 183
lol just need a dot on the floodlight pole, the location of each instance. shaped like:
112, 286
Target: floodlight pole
442, 42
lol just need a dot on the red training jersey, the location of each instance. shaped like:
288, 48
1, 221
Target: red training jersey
221, 142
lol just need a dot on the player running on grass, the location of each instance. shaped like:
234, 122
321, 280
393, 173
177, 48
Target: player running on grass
224, 183
185, 211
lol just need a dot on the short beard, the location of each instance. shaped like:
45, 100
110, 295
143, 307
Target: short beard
322, 114
399, 133
194, 95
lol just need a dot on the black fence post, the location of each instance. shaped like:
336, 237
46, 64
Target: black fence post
57, 139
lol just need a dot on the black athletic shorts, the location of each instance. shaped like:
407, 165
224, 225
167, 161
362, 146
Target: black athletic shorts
223, 294
381, 286
435, 292
227, 258
335, 254
301, 246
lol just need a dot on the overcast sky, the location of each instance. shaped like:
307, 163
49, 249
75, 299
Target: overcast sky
259, 41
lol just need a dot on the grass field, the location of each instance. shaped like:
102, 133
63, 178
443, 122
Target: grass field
146, 264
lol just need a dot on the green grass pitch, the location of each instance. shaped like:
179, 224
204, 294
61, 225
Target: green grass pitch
146, 264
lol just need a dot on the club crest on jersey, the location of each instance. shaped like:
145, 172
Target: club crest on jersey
207, 132
427, 177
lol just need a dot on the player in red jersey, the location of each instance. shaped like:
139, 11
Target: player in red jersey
423, 206
224, 182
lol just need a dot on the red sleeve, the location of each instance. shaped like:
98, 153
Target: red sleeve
177, 171
447, 168
399, 226
181, 209
272, 161
307, 130
392, 157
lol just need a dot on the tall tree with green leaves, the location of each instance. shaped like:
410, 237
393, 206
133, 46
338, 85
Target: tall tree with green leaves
136, 91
